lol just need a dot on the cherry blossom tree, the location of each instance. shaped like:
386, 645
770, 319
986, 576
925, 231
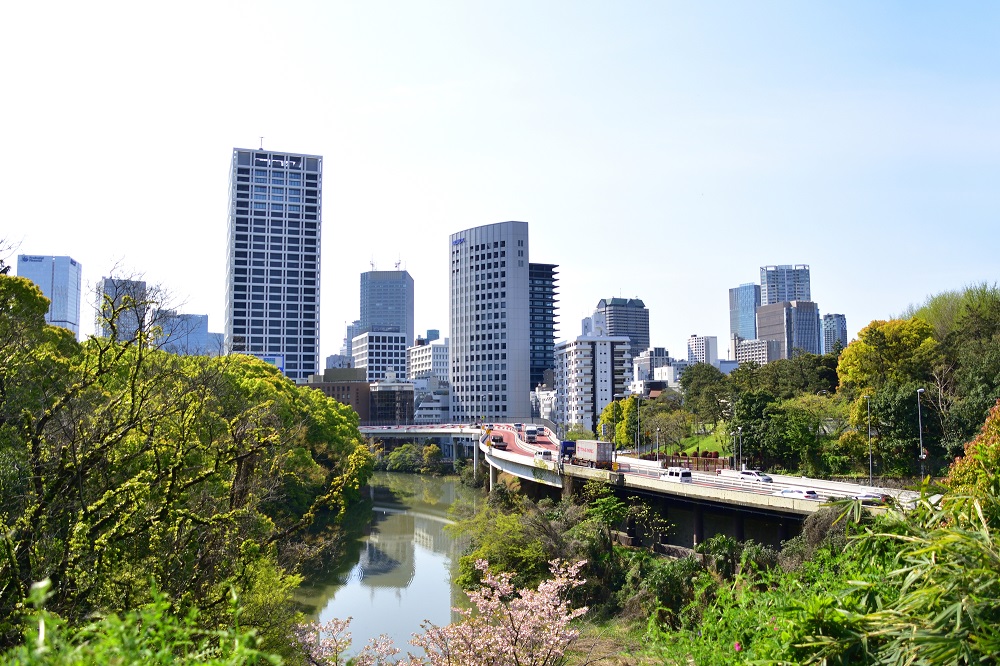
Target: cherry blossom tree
527, 627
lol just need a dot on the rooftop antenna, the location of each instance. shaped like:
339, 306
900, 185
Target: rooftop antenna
397, 264
372, 263
262, 143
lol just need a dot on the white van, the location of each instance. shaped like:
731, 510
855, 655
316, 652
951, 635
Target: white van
676, 475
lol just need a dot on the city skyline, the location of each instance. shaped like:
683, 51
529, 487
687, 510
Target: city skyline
656, 151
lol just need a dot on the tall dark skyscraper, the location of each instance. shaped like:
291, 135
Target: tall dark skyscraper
542, 304
273, 262
627, 316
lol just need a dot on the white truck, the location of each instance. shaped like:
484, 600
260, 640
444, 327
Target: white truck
530, 433
592, 453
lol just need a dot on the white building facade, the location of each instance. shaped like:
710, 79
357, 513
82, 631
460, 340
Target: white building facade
61, 280
589, 372
428, 360
489, 355
381, 355
273, 262
703, 349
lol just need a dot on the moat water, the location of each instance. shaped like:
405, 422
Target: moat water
398, 573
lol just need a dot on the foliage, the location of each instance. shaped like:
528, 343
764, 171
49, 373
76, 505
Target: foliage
578, 432
976, 471
121, 464
898, 350
153, 634
705, 392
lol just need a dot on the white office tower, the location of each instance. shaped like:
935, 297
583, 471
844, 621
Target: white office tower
703, 349
489, 358
61, 280
273, 264
589, 371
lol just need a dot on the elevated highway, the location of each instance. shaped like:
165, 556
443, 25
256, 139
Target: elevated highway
504, 448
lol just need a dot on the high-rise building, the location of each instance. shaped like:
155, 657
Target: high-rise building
188, 334
542, 294
703, 349
122, 307
489, 360
648, 361
834, 331
387, 303
743, 303
381, 355
61, 280
273, 263
627, 316
760, 352
793, 324
784, 283
590, 371
427, 359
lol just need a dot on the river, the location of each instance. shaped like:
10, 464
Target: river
397, 574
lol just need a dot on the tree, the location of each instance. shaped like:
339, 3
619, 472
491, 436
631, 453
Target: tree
124, 465
578, 432
898, 350
705, 392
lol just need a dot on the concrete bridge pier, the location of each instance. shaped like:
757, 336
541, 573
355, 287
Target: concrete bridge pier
739, 526
493, 477
568, 486
698, 524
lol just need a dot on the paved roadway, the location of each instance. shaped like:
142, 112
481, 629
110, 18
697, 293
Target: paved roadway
826, 490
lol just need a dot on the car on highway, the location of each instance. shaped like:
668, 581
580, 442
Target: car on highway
676, 475
872, 498
798, 493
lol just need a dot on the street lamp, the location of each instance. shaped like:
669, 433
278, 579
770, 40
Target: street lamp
739, 430
920, 428
657, 445
868, 399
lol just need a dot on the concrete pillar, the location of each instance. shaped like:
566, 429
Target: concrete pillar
567, 486
699, 525
739, 526
782, 530
493, 477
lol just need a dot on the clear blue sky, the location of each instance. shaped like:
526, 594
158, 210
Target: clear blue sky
660, 150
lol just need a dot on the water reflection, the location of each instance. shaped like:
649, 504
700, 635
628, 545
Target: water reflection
399, 574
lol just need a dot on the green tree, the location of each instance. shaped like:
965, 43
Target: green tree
123, 464
706, 393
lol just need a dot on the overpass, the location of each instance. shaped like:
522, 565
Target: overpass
708, 494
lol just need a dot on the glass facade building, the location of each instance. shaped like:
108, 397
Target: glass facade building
834, 330
273, 263
542, 294
743, 303
784, 283
61, 280
387, 303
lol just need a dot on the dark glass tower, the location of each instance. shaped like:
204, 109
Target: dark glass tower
542, 305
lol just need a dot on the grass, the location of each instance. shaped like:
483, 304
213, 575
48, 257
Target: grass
707, 442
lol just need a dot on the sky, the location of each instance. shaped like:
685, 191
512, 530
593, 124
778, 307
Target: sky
659, 150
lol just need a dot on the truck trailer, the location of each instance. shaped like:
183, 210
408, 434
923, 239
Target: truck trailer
592, 453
